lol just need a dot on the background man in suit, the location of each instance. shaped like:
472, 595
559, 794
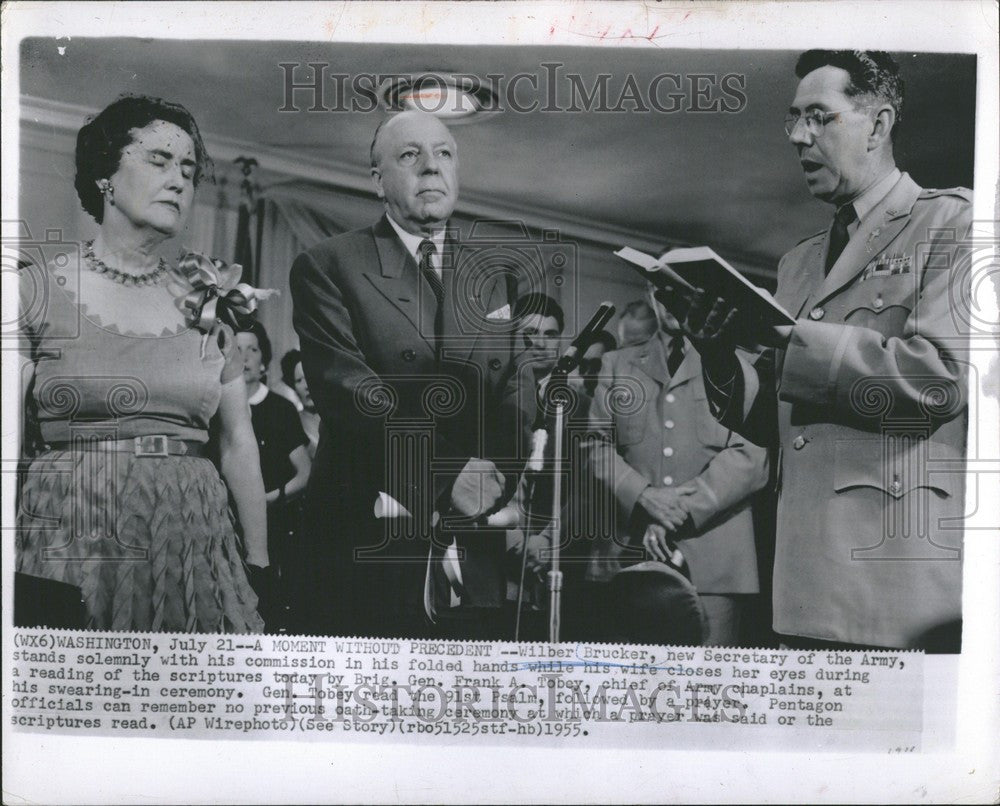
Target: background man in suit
539, 321
676, 473
866, 398
405, 363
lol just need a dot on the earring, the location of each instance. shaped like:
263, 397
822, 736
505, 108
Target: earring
108, 190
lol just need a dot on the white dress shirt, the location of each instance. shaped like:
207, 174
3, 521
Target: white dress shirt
412, 243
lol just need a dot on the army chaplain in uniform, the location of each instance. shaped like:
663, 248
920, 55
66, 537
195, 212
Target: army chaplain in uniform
865, 400
406, 362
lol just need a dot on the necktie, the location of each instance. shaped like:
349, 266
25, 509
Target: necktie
845, 216
675, 354
427, 249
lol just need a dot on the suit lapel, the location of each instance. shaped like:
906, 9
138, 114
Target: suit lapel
876, 232
397, 280
449, 322
801, 282
463, 299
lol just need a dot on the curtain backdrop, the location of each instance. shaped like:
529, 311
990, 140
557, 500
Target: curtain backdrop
289, 228
290, 223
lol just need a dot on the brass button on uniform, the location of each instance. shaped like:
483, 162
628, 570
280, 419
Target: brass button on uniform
671, 398
799, 443
668, 480
668, 451
895, 487
495, 364
878, 303
409, 355
816, 314
668, 424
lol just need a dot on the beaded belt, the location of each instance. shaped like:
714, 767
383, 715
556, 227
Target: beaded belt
151, 445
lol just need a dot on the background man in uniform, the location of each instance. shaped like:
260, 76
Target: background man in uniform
676, 474
408, 398
637, 323
866, 398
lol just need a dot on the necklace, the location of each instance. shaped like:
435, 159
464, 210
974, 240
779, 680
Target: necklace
94, 263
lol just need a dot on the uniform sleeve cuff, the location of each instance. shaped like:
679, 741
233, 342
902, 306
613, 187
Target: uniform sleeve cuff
813, 361
628, 489
703, 505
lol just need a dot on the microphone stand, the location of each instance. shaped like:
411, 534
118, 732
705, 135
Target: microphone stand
550, 420
535, 465
555, 574
536, 462
528, 517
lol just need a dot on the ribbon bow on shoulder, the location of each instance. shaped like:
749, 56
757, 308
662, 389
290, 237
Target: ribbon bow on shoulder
217, 294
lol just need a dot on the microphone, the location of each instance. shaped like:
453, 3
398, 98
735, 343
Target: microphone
567, 362
539, 439
571, 358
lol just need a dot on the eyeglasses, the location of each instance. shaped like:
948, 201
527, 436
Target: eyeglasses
815, 120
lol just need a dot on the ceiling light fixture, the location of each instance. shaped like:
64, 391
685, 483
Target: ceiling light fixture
453, 98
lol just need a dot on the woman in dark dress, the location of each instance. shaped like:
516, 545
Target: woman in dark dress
294, 378
284, 463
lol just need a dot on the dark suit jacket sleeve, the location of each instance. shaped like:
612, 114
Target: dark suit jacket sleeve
348, 392
343, 386
746, 403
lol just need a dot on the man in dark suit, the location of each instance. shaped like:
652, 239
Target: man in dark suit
406, 357
865, 400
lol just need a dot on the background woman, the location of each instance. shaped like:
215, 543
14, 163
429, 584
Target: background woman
295, 378
284, 462
121, 503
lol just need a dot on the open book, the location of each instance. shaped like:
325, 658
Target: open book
701, 267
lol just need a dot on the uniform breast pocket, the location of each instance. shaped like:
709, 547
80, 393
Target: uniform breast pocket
882, 304
871, 463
